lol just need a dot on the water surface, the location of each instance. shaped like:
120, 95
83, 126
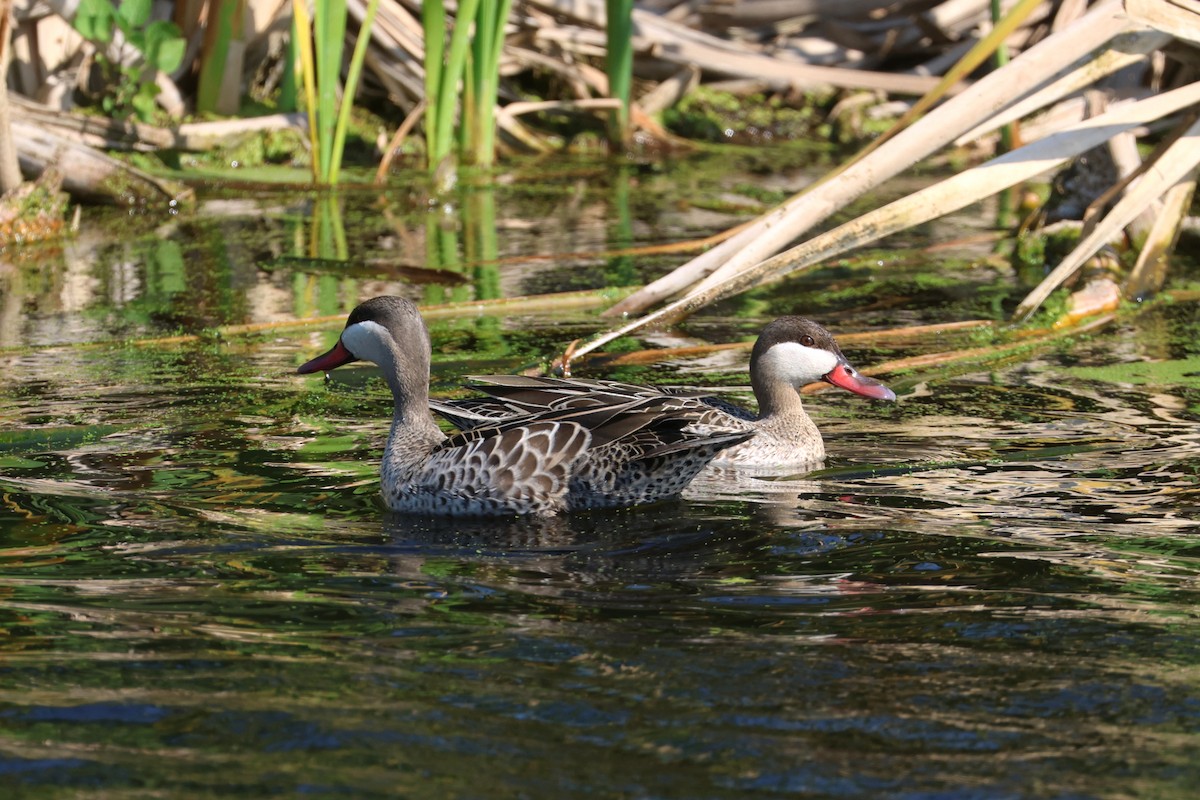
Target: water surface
989, 591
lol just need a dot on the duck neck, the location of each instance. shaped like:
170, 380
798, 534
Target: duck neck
777, 399
413, 426
784, 428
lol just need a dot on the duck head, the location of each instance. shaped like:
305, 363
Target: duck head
388, 331
794, 351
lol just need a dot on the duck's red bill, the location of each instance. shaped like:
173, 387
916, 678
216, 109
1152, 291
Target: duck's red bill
848, 379
337, 356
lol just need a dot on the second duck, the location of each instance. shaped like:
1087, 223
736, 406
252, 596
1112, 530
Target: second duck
790, 353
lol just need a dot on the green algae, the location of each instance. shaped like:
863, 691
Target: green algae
1172, 372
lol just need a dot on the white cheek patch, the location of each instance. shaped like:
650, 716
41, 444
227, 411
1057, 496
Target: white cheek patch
797, 364
366, 340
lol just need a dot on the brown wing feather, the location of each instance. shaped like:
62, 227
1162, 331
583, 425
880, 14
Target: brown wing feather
523, 468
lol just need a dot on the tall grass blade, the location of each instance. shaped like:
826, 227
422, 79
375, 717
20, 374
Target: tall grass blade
1005, 200
302, 31
330, 36
289, 99
619, 65
474, 80
444, 103
489, 33
433, 21
352, 75
212, 71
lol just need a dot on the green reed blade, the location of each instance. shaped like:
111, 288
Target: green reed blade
619, 64
490, 48
330, 28
302, 30
212, 71
456, 59
356, 62
433, 21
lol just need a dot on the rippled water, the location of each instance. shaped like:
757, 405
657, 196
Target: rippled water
990, 591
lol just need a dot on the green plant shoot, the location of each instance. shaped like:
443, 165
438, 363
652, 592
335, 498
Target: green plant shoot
142, 48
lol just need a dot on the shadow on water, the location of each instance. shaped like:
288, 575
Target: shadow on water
989, 590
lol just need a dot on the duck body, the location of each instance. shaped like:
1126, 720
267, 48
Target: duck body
612, 451
790, 353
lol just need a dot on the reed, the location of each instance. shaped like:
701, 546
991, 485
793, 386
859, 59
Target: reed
433, 23
329, 36
443, 99
352, 75
462, 77
320, 42
619, 65
487, 47
302, 34
1006, 204
212, 70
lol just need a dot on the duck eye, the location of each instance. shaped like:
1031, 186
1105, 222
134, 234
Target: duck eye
807, 341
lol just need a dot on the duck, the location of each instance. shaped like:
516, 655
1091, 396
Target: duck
789, 353
613, 450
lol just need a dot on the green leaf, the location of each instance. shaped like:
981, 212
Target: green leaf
164, 46
143, 102
94, 20
133, 14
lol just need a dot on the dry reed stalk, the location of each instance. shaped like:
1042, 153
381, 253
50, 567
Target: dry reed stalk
949, 195
769, 233
1150, 272
1126, 49
554, 301
1172, 167
394, 145
978, 354
891, 335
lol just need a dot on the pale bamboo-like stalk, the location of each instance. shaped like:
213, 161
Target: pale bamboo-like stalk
1126, 49
986, 97
994, 92
1172, 166
1150, 271
949, 195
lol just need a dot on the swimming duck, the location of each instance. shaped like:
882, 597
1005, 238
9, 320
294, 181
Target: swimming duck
614, 450
790, 353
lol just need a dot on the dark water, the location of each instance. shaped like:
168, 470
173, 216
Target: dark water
989, 592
